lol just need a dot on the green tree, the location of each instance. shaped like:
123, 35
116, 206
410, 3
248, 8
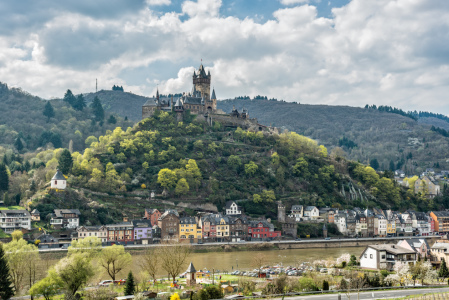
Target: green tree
234, 162
374, 164
47, 287
193, 173
4, 178
112, 119
268, 196
65, 162
6, 289
352, 260
89, 246
443, 271
49, 112
251, 168
80, 103
114, 259
97, 109
74, 272
18, 143
325, 285
69, 98
182, 187
167, 178
129, 286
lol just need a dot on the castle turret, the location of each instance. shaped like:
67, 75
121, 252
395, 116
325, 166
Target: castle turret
281, 212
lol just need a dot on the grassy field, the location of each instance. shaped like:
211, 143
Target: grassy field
11, 207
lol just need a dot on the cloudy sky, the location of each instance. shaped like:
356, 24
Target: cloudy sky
340, 52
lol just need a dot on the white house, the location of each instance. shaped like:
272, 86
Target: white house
297, 212
340, 221
311, 213
232, 208
11, 220
58, 181
385, 256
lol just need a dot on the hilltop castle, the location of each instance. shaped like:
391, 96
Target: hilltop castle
199, 100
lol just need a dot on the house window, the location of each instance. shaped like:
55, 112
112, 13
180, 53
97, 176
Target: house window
56, 182
383, 256
366, 255
371, 256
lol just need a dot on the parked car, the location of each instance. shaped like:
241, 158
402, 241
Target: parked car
323, 270
327, 239
106, 283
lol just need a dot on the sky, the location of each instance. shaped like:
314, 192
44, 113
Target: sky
336, 52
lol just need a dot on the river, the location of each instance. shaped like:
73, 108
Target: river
236, 260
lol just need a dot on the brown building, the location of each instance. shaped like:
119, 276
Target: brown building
121, 232
169, 224
238, 227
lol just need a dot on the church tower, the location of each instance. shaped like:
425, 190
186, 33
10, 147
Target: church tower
201, 82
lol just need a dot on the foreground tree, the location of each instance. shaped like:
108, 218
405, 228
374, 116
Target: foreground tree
443, 271
130, 286
19, 256
173, 258
74, 272
258, 261
150, 262
114, 259
47, 287
6, 289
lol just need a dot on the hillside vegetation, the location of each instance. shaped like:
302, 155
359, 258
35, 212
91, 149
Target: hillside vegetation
194, 163
395, 141
21, 117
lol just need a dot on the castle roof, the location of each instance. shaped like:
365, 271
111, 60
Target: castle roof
192, 100
58, 176
150, 102
213, 94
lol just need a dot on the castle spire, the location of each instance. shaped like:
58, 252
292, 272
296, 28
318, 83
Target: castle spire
213, 94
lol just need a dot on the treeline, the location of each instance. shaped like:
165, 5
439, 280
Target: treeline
441, 131
426, 114
394, 110
258, 97
118, 88
345, 142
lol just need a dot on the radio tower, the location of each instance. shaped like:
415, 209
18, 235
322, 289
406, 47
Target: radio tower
96, 85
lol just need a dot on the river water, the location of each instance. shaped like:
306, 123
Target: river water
237, 260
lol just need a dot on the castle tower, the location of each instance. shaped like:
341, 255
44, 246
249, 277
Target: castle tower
211, 105
281, 212
324, 231
201, 82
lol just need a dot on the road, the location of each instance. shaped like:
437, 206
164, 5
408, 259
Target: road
304, 241
372, 295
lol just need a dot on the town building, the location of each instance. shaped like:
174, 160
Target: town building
232, 208
311, 213
438, 252
441, 220
35, 215
297, 212
143, 231
420, 246
385, 256
169, 224
65, 218
100, 232
121, 232
152, 214
11, 220
427, 185
58, 181
188, 229
288, 223
238, 228
262, 230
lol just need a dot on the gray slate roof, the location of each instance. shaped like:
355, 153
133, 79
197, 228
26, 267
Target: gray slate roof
58, 176
191, 269
60, 212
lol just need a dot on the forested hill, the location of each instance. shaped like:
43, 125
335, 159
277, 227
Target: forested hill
367, 135
191, 162
24, 126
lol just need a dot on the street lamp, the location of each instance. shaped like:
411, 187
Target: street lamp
237, 263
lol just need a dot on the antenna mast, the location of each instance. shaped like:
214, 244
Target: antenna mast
96, 85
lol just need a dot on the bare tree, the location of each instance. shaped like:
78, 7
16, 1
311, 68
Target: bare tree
150, 261
173, 257
258, 261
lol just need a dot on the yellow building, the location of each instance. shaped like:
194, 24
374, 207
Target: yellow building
188, 229
391, 227
222, 228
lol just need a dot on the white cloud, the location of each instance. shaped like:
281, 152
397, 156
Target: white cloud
291, 2
372, 51
158, 2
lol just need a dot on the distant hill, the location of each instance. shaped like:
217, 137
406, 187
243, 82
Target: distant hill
21, 114
390, 138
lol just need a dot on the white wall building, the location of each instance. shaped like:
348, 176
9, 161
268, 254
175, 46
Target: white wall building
311, 213
385, 256
232, 208
11, 220
58, 181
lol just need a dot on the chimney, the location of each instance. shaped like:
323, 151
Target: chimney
125, 219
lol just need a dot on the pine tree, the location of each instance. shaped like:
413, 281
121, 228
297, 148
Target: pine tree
4, 178
80, 103
65, 162
49, 112
18, 144
69, 98
129, 287
443, 271
97, 109
6, 290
